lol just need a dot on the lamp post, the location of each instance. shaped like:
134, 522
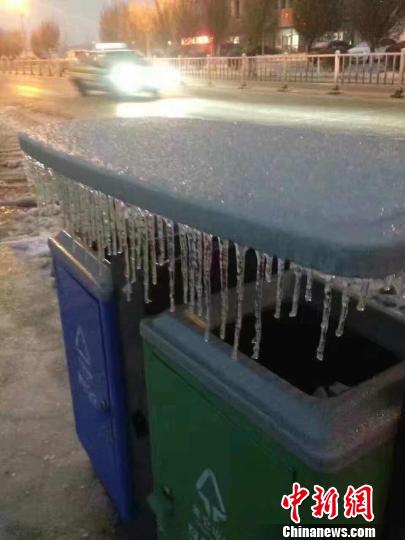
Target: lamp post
20, 7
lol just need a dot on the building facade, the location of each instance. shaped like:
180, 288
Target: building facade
287, 38
283, 36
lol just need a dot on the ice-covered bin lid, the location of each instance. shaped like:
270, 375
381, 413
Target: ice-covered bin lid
330, 201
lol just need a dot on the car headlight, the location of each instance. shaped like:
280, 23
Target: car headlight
127, 77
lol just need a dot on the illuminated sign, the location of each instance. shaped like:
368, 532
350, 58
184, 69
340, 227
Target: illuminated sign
197, 40
286, 18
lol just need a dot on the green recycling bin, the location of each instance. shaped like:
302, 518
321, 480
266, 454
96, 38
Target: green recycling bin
230, 439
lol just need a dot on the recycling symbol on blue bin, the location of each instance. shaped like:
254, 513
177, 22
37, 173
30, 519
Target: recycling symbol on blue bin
81, 346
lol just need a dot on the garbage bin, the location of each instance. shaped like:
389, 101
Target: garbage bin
229, 439
89, 320
326, 206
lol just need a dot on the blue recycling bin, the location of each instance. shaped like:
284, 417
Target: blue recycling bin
90, 328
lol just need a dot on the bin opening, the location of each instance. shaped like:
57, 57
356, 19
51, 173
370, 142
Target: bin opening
287, 349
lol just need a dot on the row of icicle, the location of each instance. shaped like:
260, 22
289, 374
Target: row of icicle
148, 241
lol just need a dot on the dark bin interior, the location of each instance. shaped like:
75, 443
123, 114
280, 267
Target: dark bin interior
288, 345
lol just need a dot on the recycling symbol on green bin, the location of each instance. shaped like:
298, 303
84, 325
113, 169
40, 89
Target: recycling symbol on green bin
208, 491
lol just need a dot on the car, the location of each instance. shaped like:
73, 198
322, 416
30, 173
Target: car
396, 47
121, 72
325, 48
364, 48
330, 47
74, 55
394, 62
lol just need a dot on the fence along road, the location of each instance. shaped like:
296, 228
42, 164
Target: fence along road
338, 69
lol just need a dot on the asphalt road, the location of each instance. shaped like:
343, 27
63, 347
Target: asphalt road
304, 107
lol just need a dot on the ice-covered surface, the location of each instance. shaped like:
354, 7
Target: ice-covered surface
334, 202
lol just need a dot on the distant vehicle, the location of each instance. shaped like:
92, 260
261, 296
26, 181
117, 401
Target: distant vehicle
119, 71
74, 55
330, 47
364, 48
396, 47
261, 51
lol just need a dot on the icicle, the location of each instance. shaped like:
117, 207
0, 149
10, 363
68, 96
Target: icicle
91, 220
198, 242
150, 221
145, 250
344, 311
139, 224
106, 224
401, 285
269, 268
66, 199
240, 253
192, 268
113, 225
100, 213
99, 228
308, 288
364, 289
76, 202
94, 223
62, 200
120, 221
171, 249
297, 291
327, 306
388, 283
81, 212
223, 270
184, 260
161, 240
280, 287
260, 275
84, 216
86, 222
126, 251
71, 213
94, 229
132, 243
207, 243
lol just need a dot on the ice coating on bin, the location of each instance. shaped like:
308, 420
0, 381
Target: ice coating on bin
333, 202
123, 214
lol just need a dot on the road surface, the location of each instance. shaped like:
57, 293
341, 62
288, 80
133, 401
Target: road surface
316, 109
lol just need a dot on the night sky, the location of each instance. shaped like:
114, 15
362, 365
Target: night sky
78, 19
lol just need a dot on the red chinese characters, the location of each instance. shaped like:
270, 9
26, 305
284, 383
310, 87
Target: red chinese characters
356, 502
326, 503
293, 502
359, 502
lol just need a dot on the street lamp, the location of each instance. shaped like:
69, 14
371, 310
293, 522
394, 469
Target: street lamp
20, 7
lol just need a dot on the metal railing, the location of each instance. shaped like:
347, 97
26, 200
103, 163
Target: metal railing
338, 69
34, 67
373, 68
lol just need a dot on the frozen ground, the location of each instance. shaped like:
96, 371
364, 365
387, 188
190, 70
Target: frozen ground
48, 490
